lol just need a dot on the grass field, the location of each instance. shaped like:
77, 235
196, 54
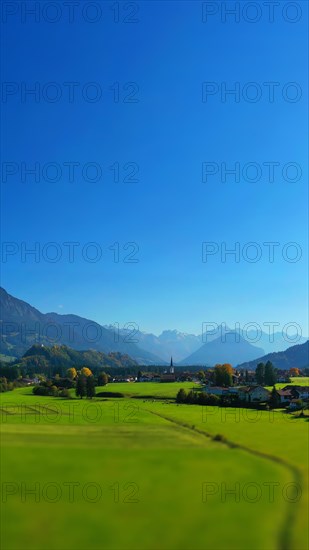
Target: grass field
170, 390
302, 381
149, 474
154, 389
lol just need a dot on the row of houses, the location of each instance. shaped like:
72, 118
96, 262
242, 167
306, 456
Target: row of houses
244, 393
290, 393
258, 394
238, 377
169, 377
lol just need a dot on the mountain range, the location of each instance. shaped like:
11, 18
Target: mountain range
182, 345
168, 343
22, 325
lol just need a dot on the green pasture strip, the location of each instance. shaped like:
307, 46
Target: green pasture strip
167, 464
161, 447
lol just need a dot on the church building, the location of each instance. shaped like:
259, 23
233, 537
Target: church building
169, 376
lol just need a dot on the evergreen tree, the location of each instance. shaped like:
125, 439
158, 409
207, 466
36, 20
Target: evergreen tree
274, 399
260, 374
270, 374
202, 398
81, 387
191, 397
181, 396
90, 387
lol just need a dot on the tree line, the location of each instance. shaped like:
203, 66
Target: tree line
265, 374
83, 381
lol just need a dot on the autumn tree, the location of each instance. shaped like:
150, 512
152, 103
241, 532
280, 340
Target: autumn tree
85, 371
72, 373
223, 375
81, 387
260, 374
90, 387
294, 372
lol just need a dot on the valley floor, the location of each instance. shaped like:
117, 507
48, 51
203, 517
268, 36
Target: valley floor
144, 474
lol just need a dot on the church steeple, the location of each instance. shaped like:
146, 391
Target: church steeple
171, 366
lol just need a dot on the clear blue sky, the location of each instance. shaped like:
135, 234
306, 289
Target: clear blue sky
168, 133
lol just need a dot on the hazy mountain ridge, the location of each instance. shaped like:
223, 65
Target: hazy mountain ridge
182, 345
22, 325
231, 350
168, 343
295, 356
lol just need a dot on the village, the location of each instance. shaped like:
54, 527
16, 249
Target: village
243, 387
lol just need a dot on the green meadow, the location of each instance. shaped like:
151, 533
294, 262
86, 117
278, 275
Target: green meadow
148, 389
148, 474
302, 381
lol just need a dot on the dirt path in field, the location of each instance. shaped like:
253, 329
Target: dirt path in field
285, 534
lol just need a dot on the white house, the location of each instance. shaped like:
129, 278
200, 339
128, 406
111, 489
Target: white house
298, 392
252, 394
286, 396
303, 392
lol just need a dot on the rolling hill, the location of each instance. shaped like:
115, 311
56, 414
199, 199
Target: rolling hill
44, 357
295, 356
